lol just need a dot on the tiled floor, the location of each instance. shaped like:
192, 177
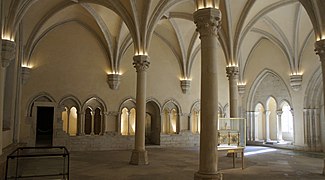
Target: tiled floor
169, 164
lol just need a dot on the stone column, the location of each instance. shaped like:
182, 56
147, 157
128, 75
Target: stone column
92, 123
279, 127
232, 74
139, 154
267, 125
81, 124
207, 21
8, 52
320, 50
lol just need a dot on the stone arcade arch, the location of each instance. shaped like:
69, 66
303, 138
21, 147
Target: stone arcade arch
42, 120
93, 119
69, 108
171, 117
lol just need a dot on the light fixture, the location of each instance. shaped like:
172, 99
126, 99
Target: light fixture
296, 81
241, 88
185, 85
202, 4
114, 80
25, 74
8, 52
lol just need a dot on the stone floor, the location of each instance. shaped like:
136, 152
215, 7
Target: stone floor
169, 164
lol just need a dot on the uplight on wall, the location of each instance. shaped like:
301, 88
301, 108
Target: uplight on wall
25, 74
202, 4
8, 52
296, 81
185, 84
232, 65
241, 87
114, 80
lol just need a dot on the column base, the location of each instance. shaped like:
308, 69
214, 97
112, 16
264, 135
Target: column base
139, 157
200, 176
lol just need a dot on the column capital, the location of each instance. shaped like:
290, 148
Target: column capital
141, 62
207, 21
279, 112
8, 52
320, 49
232, 71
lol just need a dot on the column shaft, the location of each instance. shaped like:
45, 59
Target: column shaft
279, 127
232, 74
139, 154
207, 21
2, 87
267, 125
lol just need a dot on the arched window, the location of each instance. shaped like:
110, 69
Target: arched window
170, 124
125, 121
69, 118
259, 122
196, 126
132, 121
271, 119
97, 121
88, 121
287, 122
128, 121
64, 116
73, 121
173, 121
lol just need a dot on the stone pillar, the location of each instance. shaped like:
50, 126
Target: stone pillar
267, 125
139, 154
92, 123
81, 124
232, 74
320, 50
305, 127
207, 21
279, 125
8, 53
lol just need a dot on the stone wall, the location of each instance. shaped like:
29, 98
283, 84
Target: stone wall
114, 141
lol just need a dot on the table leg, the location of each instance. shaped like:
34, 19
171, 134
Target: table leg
233, 160
242, 159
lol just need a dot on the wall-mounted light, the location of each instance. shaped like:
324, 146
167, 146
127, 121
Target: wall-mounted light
141, 52
320, 49
202, 4
232, 65
241, 88
8, 52
25, 74
114, 80
185, 85
296, 81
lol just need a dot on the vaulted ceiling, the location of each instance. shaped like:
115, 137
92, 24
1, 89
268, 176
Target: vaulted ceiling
119, 24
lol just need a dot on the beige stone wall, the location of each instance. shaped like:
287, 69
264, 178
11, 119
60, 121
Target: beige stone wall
268, 55
70, 61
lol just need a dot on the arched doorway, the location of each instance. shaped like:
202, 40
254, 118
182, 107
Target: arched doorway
153, 123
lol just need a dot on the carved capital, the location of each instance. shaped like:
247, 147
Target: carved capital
320, 49
113, 81
232, 71
141, 62
8, 52
207, 21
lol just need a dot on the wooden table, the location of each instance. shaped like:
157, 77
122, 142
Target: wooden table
234, 150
